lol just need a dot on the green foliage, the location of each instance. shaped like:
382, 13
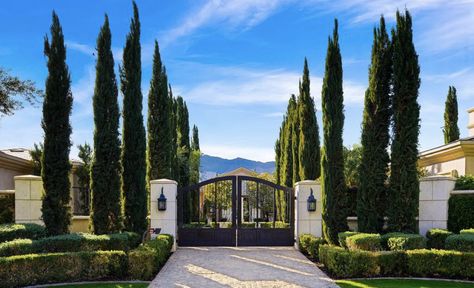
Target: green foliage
437, 238
364, 241
105, 168
7, 208
460, 242
10, 232
159, 130
11, 88
465, 182
309, 156
309, 245
344, 263
440, 263
133, 158
352, 161
451, 129
405, 188
278, 224
194, 171
287, 148
375, 135
83, 173
392, 263
183, 142
145, 261
70, 243
36, 269
460, 214
341, 237
36, 154
333, 184
57, 129
384, 238
467, 231
406, 242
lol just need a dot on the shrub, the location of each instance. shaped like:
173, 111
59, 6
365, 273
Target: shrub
436, 263
342, 237
384, 238
464, 183
278, 224
467, 231
70, 243
392, 263
348, 264
10, 232
364, 241
7, 208
460, 214
406, 242
35, 269
247, 225
437, 238
460, 242
309, 245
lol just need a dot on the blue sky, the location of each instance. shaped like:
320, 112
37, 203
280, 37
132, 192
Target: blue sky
236, 62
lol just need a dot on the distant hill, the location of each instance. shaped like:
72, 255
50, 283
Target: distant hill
212, 165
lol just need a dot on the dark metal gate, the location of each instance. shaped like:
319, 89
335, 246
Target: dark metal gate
235, 211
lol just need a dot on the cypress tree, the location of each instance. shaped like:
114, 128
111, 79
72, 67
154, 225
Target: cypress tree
57, 131
134, 142
159, 132
287, 166
195, 164
295, 139
277, 158
308, 148
451, 129
183, 141
404, 183
375, 135
105, 170
333, 185
195, 139
174, 135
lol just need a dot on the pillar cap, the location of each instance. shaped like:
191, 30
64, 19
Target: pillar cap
27, 177
163, 181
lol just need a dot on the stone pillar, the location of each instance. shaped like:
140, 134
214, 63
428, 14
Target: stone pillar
166, 220
28, 193
434, 196
307, 222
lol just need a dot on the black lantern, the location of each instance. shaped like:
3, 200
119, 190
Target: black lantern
311, 202
162, 201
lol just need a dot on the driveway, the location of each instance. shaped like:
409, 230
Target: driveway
209, 267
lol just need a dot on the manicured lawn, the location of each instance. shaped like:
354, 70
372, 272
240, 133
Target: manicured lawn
105, 285
400, 283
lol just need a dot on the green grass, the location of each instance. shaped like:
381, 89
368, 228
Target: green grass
105, 285
401, 283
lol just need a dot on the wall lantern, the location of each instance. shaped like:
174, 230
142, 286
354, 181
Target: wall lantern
162, 201
311, 202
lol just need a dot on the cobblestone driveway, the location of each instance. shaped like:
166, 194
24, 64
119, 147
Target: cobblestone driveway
239, 267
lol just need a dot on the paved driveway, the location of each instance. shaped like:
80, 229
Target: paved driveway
240, 267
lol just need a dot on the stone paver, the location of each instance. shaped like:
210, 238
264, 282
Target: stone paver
240, 267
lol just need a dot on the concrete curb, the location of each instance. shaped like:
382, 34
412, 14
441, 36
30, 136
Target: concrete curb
88, 282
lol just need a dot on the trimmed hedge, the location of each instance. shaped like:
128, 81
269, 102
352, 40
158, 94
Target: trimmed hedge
309, 245
437, 238
384, 238
342, 263
460, 242
10, 232
34, 269
465, 182
460, 214
141, 263
364, 241
7, 208
467, 231
342, 237
406, 242
70, 243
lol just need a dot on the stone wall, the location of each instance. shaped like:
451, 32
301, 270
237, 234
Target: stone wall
307, 222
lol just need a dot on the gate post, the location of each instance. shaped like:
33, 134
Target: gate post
166, 220
307, 222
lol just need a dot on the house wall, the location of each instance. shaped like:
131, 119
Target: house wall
7, 175
445, 168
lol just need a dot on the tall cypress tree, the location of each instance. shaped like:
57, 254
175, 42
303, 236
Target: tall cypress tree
404, 183
134, 142
57, 132
159, 132
287, 167
295, 139
451, 129
194, 167
308, 148
195, 139
375, 135
183, 141
174, 135
105, 171
333, 184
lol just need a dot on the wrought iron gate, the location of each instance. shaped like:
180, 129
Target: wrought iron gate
235, 211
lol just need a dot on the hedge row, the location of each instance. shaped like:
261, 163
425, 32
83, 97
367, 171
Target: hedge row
364, 241
140, 264
460, 214
71, 243
344, 263
460, 242
7, 208
10, 232
309, 245
437, 238
375, 242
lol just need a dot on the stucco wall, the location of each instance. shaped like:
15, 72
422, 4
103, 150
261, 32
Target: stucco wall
445, 168
7, 181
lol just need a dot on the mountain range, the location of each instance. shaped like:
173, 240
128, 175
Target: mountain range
212, 165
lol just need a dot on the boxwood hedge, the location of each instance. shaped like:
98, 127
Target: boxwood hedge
437, 238
460, 242
10, 232
460, 214
406, 242
309, 245
364, 241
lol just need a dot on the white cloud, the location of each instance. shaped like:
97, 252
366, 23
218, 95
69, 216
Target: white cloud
83, 48
231, 152
83, 89
461, 79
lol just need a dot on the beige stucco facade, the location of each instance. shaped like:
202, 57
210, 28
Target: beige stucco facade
11, 166
456, 158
